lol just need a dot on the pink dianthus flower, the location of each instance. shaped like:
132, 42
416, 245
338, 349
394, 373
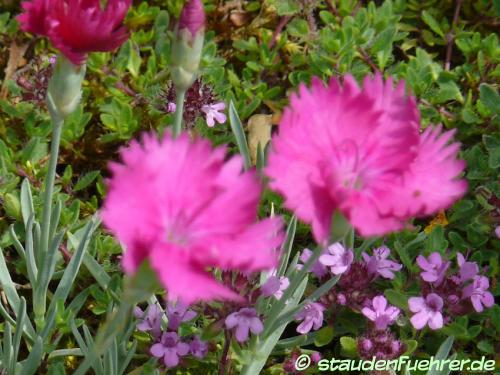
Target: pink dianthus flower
177, 203
359, 151
77, 27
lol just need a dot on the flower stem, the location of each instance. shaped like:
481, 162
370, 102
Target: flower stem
39, 302
225, 352
179, 110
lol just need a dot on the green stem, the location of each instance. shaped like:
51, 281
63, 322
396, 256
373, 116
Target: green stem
179, 110
39, 301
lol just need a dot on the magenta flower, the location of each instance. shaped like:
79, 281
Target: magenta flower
178, 314
380, 313
149, 320
359, 151
433, 268
427, 311
311, 316
198, 348
318, 269
379, 264
77, 27
170, 348
244, 321
479, 294
497, 231
212, 113
191, 211
338, 258
275, 286
171, 107
468, 270
192, 17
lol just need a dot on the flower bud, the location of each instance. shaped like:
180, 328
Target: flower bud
188, 45
192, 17
65, 87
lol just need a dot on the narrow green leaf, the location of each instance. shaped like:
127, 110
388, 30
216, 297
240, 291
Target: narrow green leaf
31, 365
239, 134
7, 284
54, 219
266, 345
30, 253
21, 318
27, 207
490, 98
77, 352
7, 344
86, 180
71, 271
287, 246
442, 354
96, 271
49, 264
17, 244
128, 358
432, 23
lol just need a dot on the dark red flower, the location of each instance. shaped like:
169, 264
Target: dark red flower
77, 27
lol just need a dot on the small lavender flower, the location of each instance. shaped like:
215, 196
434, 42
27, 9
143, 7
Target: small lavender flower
380, 313
427, 311
339, 259
213, 113
311, 316
434, 268
275, 286
468, 270
497, 231
198, 348
170, 348
244, 321
178, 314
149, 320
318, 269
379, 264
479, 294
171, 107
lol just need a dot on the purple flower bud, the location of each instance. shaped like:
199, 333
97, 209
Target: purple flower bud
192, 17
198, 348
317, 268
366, 344
341, 299
178, 314
316, 357
149, 320
275, 286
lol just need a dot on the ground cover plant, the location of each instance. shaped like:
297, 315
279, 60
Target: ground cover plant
226, 187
